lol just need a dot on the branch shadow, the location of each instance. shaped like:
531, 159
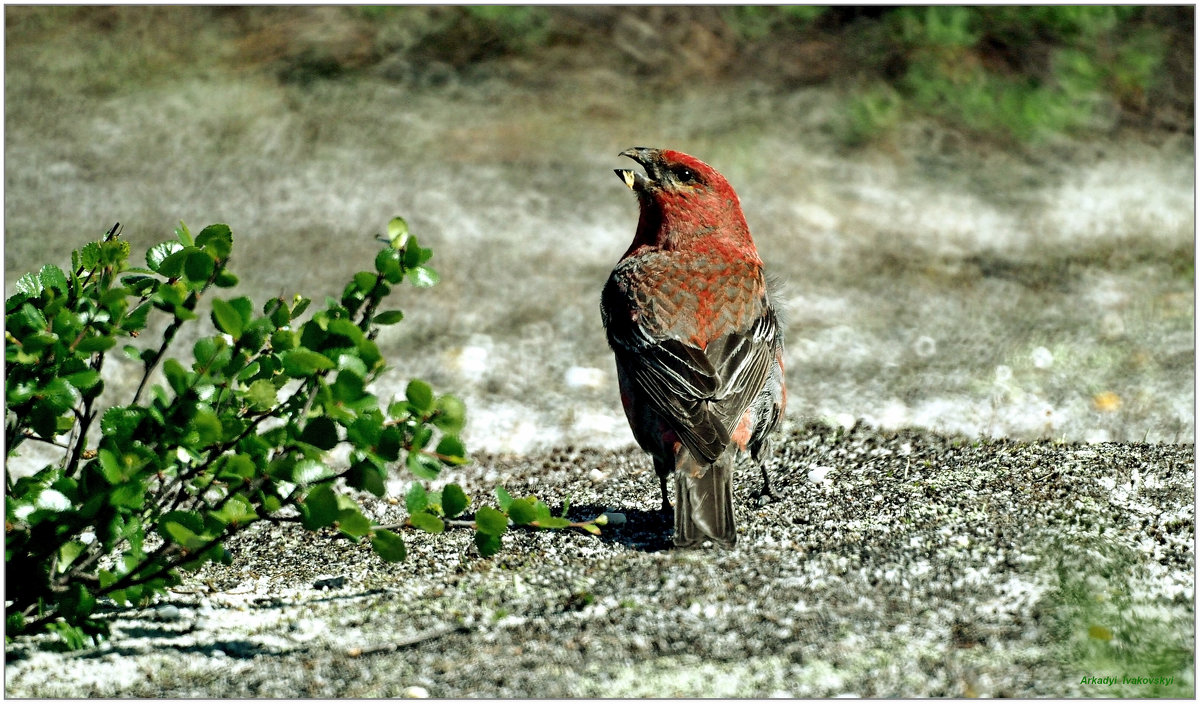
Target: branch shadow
646, 531
180, 636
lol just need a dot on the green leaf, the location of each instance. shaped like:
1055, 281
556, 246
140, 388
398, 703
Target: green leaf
120, 422
489, 520
237, 511
284, 340
454, 500
366, 430
345, 328
305, 362
522, 511
451, 449
59, 395
217, 240
503, 498
271, 503
487, 544
365, 475
89, 256
84, 380
226, 318
387, 262
114, 470
53, 278
29, 285
172, 266
412, 253
423, 466
388, 545
397, 229
198, 267
184, 528
136, 319
348, 387
423, 277
299, 305
157, 254
421, 437
67, 554
32, 317
553, 522
184, 234
320, 432
206, 351
320, 508
416, 499
353, 523
427, 522
178, 377
43, 420
261, 394
76, 605
390, 440
308, 471
419, 395
225, 279
95, 343
131, 495
276, 309
451, 414
238, 466
364, 281
388, 317
207, 426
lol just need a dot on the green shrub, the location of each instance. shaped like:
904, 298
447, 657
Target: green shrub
755, 22
871, 113
1017, 72
240, 434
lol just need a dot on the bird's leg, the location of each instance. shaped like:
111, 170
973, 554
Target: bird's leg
662, 469
765, 495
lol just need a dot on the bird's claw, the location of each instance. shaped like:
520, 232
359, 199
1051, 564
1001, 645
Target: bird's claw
764, 496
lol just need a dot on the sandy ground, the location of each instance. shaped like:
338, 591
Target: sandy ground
893, 564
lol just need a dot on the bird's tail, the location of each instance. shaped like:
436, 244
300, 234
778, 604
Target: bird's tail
704, 500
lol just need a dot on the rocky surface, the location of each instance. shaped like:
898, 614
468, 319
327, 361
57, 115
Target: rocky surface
892, 564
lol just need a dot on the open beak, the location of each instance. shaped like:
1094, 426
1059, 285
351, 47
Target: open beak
630, 178
644, 156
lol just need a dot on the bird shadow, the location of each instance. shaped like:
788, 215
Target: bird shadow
646, 531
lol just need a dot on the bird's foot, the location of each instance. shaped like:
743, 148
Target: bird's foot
764, 496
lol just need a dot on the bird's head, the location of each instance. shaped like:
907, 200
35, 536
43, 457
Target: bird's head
673, 174
681, 197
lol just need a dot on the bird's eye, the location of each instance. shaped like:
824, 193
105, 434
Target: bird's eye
685, 175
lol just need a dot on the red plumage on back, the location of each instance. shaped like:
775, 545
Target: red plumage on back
697, 341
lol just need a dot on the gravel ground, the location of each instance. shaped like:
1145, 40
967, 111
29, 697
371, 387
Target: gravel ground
893, 564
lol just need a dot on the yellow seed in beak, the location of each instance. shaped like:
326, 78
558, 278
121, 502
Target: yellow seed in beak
629, 178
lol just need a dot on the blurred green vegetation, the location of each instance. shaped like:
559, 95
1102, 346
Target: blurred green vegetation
754, 22
1009, 73
1101, 627
1022, 72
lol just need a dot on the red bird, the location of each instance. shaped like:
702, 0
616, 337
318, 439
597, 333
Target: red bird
697, 340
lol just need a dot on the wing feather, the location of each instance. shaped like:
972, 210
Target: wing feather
701, 393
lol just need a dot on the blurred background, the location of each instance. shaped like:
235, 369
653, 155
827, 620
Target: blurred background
984, 217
